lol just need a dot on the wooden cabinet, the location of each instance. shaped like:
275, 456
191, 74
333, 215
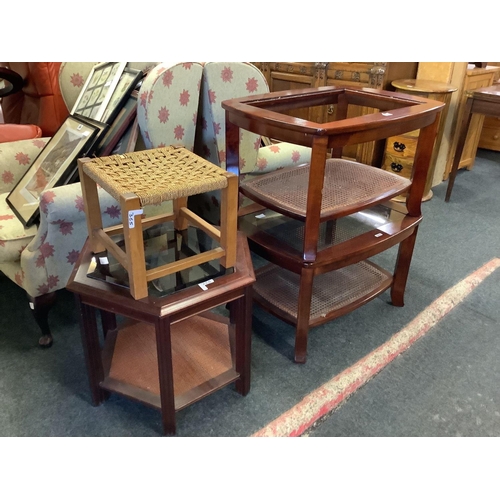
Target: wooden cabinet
299, 75
475, 78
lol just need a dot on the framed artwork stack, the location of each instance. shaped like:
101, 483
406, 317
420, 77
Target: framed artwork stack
101, 121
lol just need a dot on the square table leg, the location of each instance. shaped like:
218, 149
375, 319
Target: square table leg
241, 312
166, 375
91, 351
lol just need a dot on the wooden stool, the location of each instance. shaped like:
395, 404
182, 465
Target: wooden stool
151, 177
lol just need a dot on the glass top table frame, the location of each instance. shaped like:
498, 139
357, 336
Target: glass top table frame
162, 314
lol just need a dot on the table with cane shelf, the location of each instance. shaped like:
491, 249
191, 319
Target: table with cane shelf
315, 224
176, 345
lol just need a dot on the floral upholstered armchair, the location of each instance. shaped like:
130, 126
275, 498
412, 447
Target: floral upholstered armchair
40, 259
228, 80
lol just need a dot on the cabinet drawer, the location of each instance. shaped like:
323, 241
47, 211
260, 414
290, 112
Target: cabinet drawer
490, 137
402, 146
398, 164
357, 74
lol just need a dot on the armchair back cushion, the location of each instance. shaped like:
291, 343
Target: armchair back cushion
221, 81
228, 80
168, 105
72, 76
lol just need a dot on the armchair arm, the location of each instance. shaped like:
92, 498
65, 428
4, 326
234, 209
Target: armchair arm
10, 132
15, 159
49, 258
280, 155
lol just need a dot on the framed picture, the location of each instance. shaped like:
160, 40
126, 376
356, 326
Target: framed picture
98, 90
128, 141
54, 166
127, 83
91, 147
119, 127
101, 130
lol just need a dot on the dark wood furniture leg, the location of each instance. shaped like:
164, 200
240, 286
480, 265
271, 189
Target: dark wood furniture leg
91, 350
402, 268
40, 307
166, 376
241, 312
303, 314
464, 129
108, 321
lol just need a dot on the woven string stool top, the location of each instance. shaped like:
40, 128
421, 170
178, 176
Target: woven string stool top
156, 175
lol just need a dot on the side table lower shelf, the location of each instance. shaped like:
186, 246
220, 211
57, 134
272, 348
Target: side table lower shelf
334, 293
201, 357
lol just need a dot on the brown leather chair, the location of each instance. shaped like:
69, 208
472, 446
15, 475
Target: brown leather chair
39, 101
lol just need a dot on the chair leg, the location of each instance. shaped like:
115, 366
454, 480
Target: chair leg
303, 314
402, 269
40, 307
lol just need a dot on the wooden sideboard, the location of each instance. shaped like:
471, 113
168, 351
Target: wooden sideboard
299, 75
474, 78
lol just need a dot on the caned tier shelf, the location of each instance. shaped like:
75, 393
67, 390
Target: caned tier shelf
344, 278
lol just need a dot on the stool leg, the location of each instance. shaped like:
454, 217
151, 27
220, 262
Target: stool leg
228, 221
92, 208
180, 222
134, 247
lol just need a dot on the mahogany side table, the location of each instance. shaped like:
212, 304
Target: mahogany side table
483, 101
170, 348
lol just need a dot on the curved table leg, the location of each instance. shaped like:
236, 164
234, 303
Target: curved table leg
402, 269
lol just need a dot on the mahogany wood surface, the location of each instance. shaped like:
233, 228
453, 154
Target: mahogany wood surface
393, 113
